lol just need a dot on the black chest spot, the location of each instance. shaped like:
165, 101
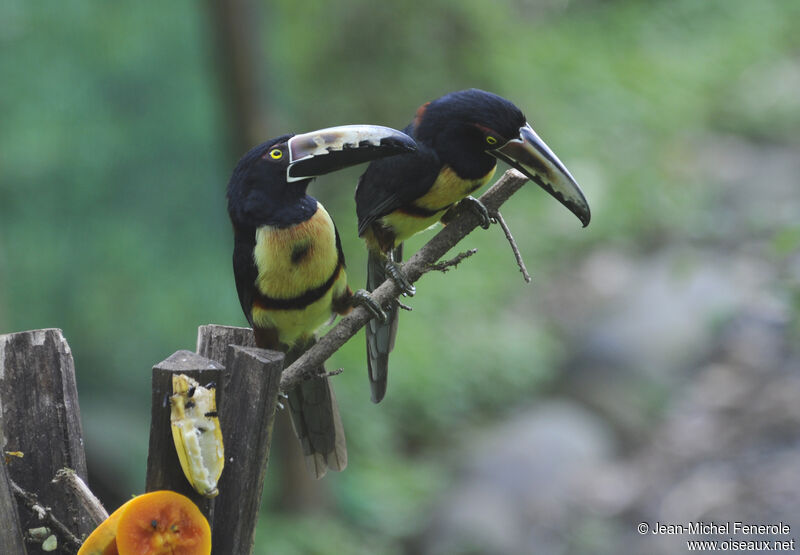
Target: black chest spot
300, 251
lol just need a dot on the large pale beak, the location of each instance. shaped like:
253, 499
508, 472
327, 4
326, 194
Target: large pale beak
327, 150
530, 155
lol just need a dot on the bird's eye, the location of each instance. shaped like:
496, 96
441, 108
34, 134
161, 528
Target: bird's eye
276, 154
491, 140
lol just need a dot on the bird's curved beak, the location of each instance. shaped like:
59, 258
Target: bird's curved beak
530, 155
327, 150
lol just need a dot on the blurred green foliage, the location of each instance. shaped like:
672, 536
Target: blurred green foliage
112, 210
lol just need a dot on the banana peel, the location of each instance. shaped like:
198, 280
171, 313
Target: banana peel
197, 434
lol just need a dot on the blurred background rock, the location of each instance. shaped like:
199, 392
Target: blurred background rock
649, 372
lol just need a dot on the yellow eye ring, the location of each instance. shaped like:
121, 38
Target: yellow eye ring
276, 154
491, 140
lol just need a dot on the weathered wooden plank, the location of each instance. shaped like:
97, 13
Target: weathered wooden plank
163, 467
246, 416
10, 532
213, 340
41, 418
297, 490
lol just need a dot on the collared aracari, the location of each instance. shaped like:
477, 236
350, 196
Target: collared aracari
459, 138
289, 266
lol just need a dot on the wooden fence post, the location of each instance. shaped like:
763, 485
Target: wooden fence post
163, 467
41, 419
246, 416
247, 393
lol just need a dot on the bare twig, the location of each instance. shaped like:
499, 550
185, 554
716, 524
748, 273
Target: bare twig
521, 263
463, 222
91, 504
44, 513
333, 372
453, 262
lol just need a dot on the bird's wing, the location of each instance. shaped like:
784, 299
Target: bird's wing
394, 182
244, 269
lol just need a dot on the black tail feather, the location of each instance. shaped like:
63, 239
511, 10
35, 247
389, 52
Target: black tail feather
380, 337
317, 423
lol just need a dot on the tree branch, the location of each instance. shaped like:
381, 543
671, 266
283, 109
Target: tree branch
44, 513
518, 255
463, 222
453, 262
69, 479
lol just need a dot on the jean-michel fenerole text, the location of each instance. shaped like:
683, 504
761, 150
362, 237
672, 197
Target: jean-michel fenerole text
720, 528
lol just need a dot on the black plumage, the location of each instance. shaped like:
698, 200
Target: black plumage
459, 136
289, 266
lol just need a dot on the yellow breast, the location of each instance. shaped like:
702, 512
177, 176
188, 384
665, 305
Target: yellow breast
448, 189
291, 262
294, 259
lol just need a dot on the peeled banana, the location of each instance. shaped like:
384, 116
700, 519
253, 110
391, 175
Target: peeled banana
196, 433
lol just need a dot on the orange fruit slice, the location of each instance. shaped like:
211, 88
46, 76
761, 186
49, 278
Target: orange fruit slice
102, 540
163, 523
155, 523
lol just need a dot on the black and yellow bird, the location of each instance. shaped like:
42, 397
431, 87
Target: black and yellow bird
288, 261
459, 137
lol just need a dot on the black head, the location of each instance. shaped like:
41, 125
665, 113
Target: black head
268, 185
476, 119
470, 129
259, 193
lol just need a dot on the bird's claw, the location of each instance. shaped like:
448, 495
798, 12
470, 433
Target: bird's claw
479, 209
362, 298
394, 272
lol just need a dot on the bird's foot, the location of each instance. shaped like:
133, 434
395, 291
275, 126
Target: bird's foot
393, 271
362, 298
479, 209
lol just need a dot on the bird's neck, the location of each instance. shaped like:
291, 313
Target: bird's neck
467, 163
293, 213
276, 212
